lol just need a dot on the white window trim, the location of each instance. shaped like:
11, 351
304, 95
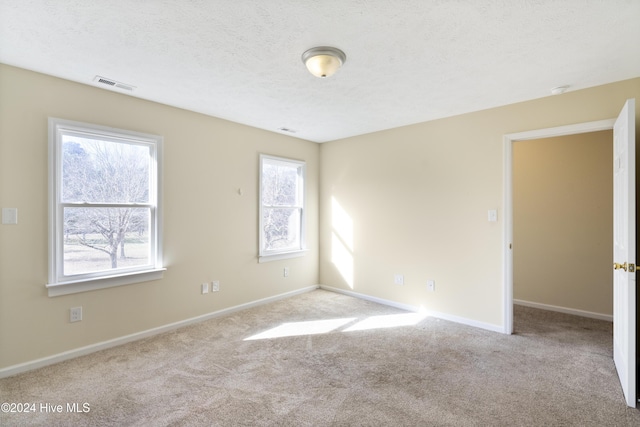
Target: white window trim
57, 284
274, 255
282, 255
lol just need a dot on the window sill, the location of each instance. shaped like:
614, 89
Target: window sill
282, 255
73, 287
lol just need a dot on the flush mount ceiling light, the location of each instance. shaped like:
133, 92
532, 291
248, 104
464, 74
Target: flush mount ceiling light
323, 61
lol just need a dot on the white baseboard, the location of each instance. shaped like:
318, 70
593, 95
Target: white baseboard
566, 310
413, 308
71, 354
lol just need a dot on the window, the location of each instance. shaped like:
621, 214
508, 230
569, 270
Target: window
104, 213
282, 208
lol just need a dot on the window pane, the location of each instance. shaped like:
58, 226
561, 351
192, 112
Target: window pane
99, 239
280, 184
281, 228
104, 171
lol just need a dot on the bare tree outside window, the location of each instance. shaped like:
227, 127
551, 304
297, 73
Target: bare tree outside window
103, 181
282, 198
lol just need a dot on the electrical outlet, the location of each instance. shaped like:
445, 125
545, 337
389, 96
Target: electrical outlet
215, 286
431, 285
75, 314
9, 215
286, 272
205, 288
398, 279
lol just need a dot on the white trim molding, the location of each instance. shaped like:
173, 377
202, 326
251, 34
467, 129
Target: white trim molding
281, 256
60, 132
566, 310
416, 309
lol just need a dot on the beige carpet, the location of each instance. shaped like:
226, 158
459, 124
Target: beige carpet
555, 371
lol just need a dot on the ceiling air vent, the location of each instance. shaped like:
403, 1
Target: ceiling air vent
105, 81
283, 129
113, 83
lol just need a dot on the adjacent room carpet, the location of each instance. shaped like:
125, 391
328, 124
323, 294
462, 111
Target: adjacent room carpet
326, 359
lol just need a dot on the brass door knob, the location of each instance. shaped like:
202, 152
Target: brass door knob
617, 266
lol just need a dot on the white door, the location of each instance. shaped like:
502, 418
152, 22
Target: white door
624, 251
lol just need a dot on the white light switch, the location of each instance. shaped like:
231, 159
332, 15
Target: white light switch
9, 215
493, 215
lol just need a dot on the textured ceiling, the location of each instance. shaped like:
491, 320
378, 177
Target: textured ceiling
408, 61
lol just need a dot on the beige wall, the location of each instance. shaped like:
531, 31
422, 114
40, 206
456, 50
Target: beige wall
412, 200
210, 232
563, 216
418, 196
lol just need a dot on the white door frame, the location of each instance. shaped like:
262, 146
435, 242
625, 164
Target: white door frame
507, 252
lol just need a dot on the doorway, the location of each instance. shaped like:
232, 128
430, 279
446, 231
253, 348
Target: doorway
563, 238
509, 141
624, 240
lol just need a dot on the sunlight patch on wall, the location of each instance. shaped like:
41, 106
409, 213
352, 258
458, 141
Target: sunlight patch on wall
342, 242
342, 258
342, 223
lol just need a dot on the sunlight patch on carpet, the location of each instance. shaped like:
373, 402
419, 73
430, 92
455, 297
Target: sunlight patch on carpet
315, 327
387, 321
312, 327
